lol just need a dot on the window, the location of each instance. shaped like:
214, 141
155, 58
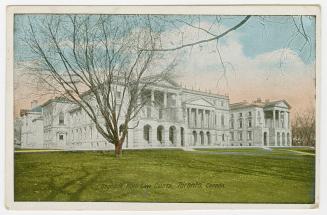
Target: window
232, 136
240, 114
222, 120
240, 135
250, 123
249, 135
61, 118
223, 137
215, 120
250, 113
232, 124
61, 137
222, 103
232, 116
240, 123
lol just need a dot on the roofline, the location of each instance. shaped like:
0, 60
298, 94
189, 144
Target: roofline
56, 100
204, 93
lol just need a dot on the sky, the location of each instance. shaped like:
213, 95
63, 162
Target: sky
265, 58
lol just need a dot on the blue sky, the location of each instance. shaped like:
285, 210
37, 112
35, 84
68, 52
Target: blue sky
266, 57
259, 35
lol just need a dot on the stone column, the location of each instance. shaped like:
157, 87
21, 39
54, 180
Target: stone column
165, 99
278, 119
188, 116
196, 121
179, 107
152, 104
153, 138
166, 136
178, 137
202, 119
274, 120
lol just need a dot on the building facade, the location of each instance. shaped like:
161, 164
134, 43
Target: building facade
260, 123
176, 117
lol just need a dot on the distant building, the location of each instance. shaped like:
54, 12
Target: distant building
260, 124
31, 122
180, 118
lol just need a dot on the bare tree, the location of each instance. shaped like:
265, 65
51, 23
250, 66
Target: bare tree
90, 58
98, 62
304, 129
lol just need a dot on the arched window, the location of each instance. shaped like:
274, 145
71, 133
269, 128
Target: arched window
147, 133
61, 118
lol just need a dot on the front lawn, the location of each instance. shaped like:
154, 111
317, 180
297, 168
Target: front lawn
166, 176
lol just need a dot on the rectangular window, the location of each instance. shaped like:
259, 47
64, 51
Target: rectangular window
240, 136
61, 137
250, 123
215, 120
232, 136
222, 120
249, 135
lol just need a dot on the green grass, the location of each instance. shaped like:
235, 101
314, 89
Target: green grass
166, 176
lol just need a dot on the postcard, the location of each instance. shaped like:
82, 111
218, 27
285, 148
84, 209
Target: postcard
162, 107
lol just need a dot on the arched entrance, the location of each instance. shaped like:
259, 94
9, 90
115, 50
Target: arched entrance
202, 137
208, 138
278, 139
160, 134
288, 139
195, 137
265, 140
147, 133
172, 134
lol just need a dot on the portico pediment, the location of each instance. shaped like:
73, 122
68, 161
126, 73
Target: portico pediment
199, 102
167, 83
281, 104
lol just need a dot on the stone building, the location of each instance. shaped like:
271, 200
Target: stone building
175, 117
31, 127
260, 123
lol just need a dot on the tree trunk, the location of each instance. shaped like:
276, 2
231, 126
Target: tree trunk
118, 149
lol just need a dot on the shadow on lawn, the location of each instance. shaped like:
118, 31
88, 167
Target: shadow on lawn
86, 180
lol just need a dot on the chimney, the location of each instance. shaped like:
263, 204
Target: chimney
33, 104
